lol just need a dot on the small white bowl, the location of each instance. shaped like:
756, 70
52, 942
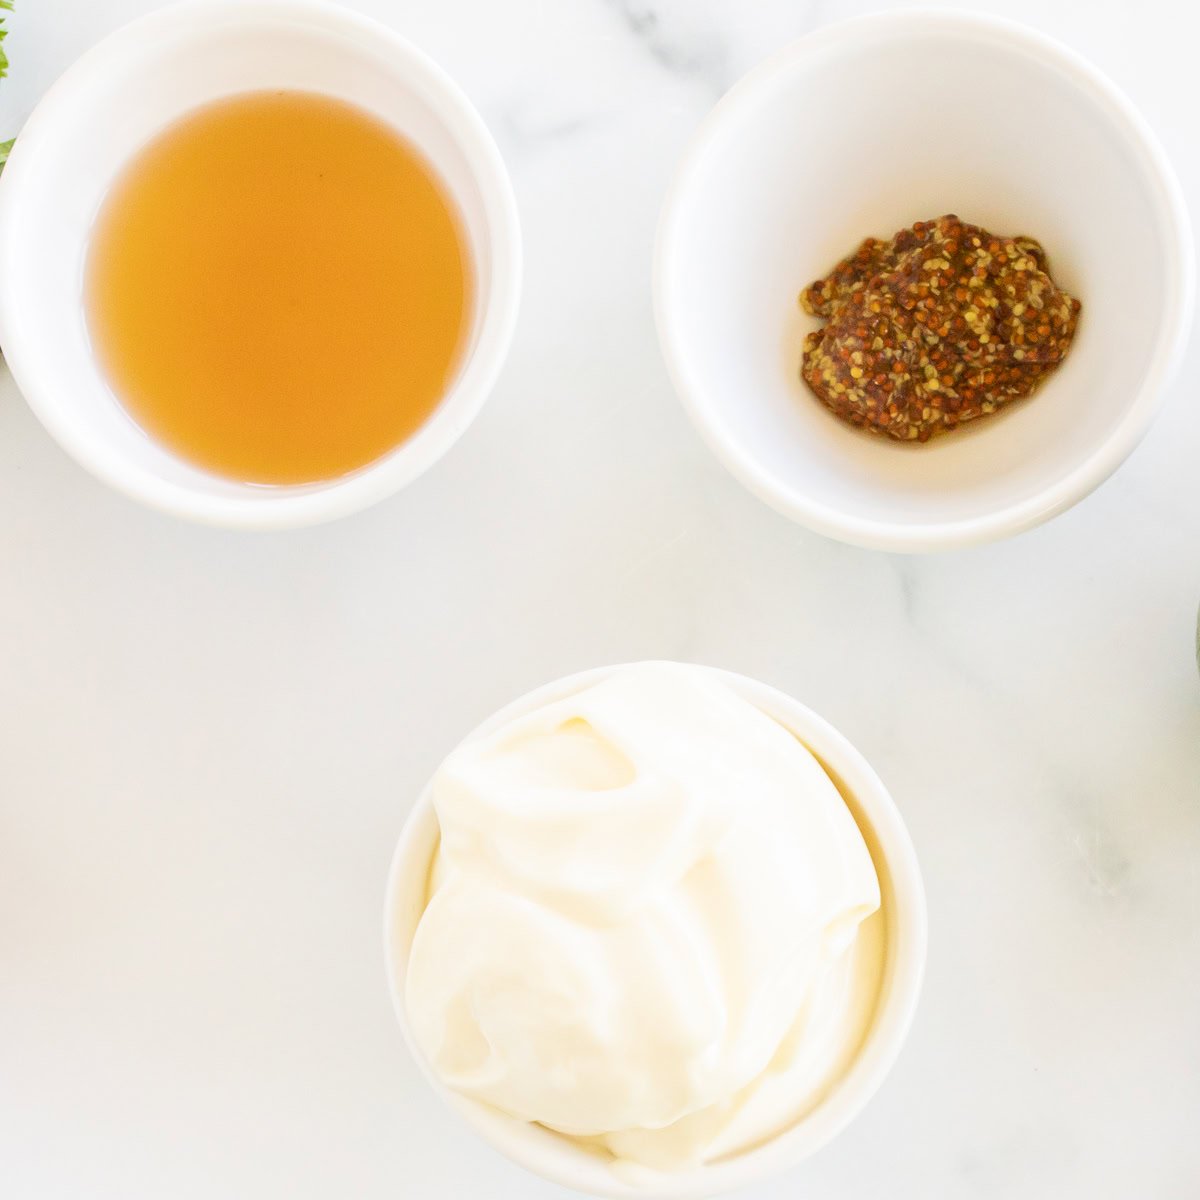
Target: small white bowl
125, 91
560, 1160
861, 129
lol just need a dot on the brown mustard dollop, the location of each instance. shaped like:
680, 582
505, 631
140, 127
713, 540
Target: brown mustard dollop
944, 323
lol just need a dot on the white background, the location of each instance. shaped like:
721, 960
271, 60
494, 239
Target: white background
209, 740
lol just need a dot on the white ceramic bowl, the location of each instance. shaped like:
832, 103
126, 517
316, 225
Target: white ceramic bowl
861, 129
557, 1158
122, 93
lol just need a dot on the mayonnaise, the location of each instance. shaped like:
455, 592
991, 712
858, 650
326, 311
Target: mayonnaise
650, 922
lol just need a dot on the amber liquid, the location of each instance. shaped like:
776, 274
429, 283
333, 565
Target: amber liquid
278, 288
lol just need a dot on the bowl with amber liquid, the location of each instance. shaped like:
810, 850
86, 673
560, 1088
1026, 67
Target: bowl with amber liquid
262, 262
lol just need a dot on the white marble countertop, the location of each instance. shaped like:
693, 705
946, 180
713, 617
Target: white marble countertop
209, 741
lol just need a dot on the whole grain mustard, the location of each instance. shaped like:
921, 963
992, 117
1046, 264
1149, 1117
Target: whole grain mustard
942, 324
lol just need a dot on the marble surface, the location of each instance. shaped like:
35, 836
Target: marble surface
209, 741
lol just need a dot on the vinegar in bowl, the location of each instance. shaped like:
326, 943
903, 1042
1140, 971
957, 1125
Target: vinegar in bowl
278, 288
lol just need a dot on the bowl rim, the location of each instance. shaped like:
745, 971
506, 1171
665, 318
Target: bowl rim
1127, 432
64, 106
907, 945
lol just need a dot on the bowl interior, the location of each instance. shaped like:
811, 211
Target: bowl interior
124, 93
861, 130
903, 905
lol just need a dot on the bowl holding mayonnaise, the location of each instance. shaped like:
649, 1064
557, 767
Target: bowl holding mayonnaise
655, 930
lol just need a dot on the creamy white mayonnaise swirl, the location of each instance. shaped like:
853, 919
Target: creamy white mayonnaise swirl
649, 923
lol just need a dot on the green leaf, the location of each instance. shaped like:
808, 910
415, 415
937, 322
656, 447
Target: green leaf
5, 147
3, 34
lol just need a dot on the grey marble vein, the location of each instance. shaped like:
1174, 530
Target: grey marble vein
700, 55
